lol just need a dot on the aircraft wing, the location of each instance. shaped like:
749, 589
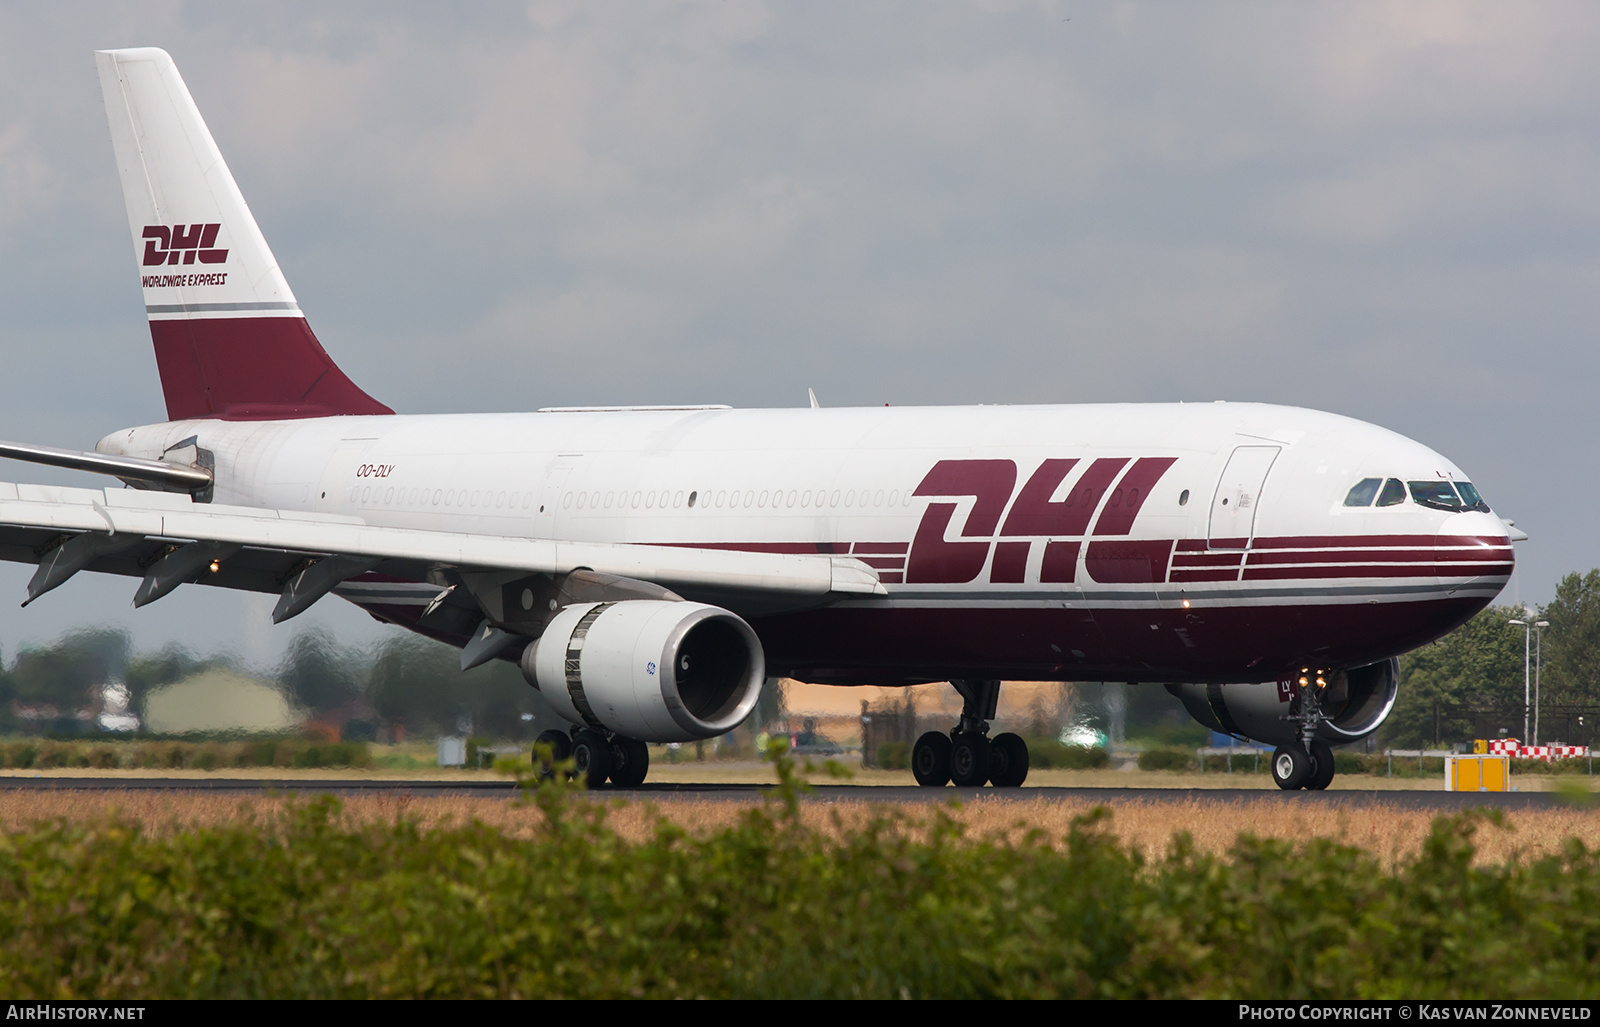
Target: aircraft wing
167, 539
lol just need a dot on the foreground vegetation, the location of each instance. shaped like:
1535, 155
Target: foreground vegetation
309, 903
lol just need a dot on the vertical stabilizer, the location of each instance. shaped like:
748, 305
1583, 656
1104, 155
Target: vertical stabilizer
230, 339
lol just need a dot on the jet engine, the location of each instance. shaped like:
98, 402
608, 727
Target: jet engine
1355, 702
652, 670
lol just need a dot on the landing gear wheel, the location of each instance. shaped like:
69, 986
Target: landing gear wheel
630, 762
1008, 761
970, 759
930, 760
591, 757
1322, 766
560, 745
1291, 767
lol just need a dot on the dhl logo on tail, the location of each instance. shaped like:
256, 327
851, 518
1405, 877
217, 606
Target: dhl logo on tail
167, 245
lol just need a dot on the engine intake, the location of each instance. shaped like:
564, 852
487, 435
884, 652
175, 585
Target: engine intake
652, 670
1357, 702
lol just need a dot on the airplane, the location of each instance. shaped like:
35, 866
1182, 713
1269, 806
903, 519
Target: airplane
649, 568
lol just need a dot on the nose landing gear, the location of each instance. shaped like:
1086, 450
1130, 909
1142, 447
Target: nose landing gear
967, 756
1307, 763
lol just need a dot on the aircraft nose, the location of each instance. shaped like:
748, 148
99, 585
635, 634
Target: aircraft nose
1476, 545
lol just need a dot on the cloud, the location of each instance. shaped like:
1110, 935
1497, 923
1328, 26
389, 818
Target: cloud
1383, 209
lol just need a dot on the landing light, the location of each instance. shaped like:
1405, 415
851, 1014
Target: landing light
216, 565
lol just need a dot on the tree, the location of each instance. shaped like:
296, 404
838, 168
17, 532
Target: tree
317, 673
66, 673
419, 683
1570, 661
1478, 665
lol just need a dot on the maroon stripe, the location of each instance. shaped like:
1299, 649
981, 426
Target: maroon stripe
251, 369
1191, 545
1277, 573
1228, 543
1129, 495
802, 548
1377, 556
891, 577
1216, 575
1347, 541
1126, 562
1207, 559
882, 547
889, 563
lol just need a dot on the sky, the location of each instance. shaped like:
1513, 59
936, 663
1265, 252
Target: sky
1387, 210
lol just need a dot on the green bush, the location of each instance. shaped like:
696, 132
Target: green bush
1352, 763
1554, 767
307, 904
1243, 763
1165, 759
22, 755
1049, 753
53, 755
176, 755
893, 756
1408, 766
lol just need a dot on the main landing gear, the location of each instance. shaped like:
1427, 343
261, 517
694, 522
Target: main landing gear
597, 756
967, 756
1307, 763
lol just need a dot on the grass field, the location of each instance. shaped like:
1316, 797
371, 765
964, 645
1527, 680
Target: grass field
1014, 893
1146, 823
753, 772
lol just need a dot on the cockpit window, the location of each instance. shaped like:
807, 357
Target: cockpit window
1470, 500
1362, 492
1393, 493
1436, 495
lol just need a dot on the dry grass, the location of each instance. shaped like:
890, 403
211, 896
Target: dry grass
754, 772
1144, 822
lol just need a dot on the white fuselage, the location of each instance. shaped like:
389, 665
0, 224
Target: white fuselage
1141, 542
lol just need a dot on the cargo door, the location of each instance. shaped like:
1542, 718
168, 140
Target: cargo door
550, 496
1233, 508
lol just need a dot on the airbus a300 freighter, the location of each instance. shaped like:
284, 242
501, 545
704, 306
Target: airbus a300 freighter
650, 568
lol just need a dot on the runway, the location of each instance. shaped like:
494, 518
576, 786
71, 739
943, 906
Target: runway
1440, 801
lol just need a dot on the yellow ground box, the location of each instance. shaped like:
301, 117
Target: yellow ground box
1477, 773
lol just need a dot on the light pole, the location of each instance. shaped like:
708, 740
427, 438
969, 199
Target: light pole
1538, 652
1527, 627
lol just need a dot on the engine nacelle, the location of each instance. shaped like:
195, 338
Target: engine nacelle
651, 670
1356, 701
